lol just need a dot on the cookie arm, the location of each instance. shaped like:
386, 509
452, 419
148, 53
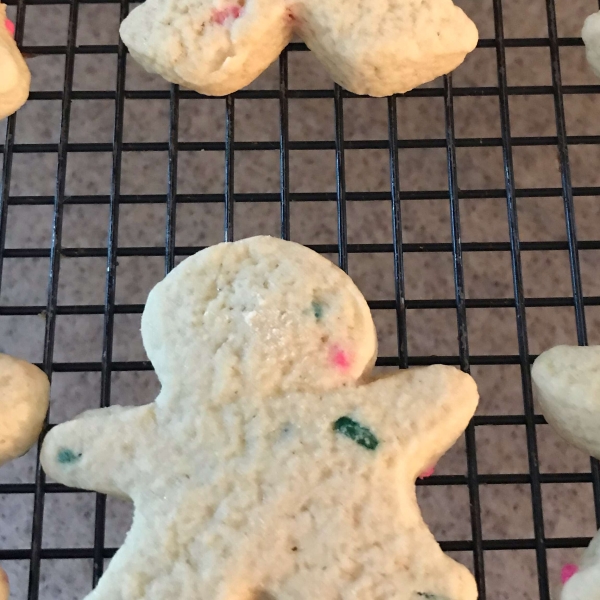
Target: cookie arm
99, 449
421, 411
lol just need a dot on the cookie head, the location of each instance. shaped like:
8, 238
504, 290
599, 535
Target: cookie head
261, 316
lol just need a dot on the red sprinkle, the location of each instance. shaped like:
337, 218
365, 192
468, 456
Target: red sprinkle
230, 12
10, 26
340, 358
567, 572
427, 473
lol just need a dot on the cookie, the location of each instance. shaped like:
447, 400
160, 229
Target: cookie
567, 386
24, 392
591, 37
378, 48
4, 588
15, 80
585, 582
566, 383
271, 464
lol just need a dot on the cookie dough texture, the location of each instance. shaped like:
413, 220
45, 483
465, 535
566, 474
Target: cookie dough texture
567, 386
14, 74
24, 392
4, 589
591, 37
376, 48
585, 585
271, 465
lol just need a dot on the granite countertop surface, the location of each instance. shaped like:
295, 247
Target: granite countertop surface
506, 509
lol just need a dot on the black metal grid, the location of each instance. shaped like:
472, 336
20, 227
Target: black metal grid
477, 545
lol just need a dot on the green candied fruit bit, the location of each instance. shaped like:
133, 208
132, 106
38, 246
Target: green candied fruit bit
67, 456
356, 432
428, 596
317, 309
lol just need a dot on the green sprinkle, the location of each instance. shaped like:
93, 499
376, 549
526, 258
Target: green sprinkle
67, 456
317, 310
356, 432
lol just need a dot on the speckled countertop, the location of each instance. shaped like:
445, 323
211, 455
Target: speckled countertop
506, 509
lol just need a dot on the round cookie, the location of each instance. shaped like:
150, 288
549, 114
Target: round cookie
24, 392
566, 383
272, 464
591, 37
377, 48
15, 80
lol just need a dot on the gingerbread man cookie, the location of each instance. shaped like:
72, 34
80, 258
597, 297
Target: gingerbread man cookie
567, 386
24, 391
377, 48
270, 465
15, 77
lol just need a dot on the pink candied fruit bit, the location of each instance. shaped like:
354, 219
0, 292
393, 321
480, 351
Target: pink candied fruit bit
567, 572
340, 358
10, 26
219, 16
427, 473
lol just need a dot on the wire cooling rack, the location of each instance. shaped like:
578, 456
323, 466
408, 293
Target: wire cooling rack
477, 545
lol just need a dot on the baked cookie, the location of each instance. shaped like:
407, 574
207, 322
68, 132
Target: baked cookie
24, 392
15, 79
566, 382
270, 465
585, 582
591, 37
567, 386
4, 589
377, 48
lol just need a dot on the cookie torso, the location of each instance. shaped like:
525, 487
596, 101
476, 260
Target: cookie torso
15, 79
24, 391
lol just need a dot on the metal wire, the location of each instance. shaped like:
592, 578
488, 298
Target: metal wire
478, 545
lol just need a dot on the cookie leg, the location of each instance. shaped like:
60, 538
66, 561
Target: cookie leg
215, 47
383, 48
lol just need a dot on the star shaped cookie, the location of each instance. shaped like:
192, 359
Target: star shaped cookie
377, 48
272, 464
